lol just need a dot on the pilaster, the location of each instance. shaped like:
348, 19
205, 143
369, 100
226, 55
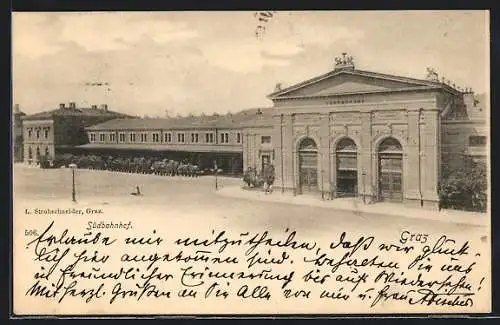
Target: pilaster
288, 153
324, 171
366, 172
431, 163
279, 158
413, 151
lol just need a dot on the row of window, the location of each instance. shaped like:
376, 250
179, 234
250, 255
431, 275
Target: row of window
38, 133
30, 152
167, 137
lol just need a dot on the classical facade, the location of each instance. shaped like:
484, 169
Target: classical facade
346, 133
374, 136
51, 132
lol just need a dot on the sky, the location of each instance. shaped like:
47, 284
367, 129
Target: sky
205, 62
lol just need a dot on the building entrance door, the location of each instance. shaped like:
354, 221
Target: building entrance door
391, 171
266, 159
308, 166
347, 168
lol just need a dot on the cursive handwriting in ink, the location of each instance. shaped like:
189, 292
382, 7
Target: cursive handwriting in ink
440, 248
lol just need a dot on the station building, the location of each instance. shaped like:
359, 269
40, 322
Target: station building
381, 137
204, 140
48, 133
347, 132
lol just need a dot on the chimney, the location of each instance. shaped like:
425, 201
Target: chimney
62, 106
16, 108
259, 112
72, 105
94, 106
105, 107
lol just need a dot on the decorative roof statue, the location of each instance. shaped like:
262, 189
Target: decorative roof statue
344, 61
432, 75
278, 86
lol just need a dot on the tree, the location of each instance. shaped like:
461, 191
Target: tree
465, 188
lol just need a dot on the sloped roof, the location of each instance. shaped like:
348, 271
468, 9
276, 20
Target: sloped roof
164, 147
74, 112
234, 120
404, 82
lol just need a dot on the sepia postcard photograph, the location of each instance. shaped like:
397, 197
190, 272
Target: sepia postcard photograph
250, 163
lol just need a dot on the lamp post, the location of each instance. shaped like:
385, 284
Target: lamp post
216, 172
73, 193
322, 186
364, 176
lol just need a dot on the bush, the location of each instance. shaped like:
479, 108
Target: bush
465, 188
252, 179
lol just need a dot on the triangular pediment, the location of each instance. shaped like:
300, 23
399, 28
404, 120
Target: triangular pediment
350, 82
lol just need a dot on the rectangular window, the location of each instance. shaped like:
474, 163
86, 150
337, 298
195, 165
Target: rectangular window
265, 139
209, 137
30, 133
224, 138
477, 141
132, 137
46, 133
38, 134
102, 137
144, 137
156, 137
92, 137
168, 137
121, 137
112, 137
180, 137
194, 137
238, 137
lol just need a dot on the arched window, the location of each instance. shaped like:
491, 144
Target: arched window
347, 168
390, 161
308, 165
308, 144
390, 145
30, 153
346, 144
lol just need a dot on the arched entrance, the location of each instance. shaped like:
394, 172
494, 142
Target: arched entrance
347, 168
390, 162
308, 166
